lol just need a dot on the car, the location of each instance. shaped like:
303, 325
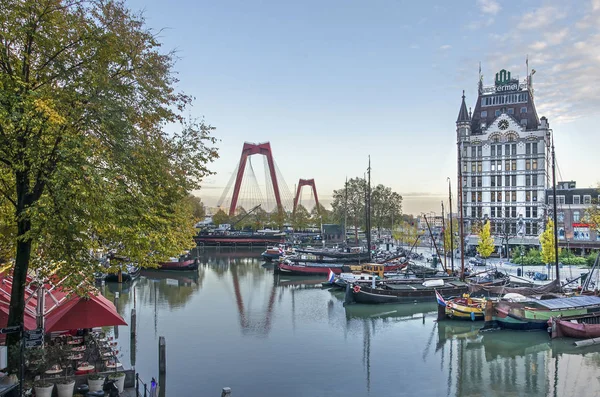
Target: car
477, 261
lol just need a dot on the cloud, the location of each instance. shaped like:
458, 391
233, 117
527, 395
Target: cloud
540, 18
414, 47
481, 23
445, 47
488, 6
556, 38
538, 46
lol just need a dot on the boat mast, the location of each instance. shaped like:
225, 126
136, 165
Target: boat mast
451, 230
368, 202
444, 237
460, 208
345, 208
555, 213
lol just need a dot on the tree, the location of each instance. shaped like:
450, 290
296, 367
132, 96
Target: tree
386, 205
196, 207
547, 243
300, 218
85, 163
278, 218
354, 207
486, 242
220, 218
319, 215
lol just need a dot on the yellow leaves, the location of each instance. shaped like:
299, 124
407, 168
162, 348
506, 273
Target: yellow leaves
547, 242
46, 108
486, 241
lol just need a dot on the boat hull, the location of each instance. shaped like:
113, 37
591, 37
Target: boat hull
183, 265
584, 327
321, 270
233, 240
460, 309
367, 295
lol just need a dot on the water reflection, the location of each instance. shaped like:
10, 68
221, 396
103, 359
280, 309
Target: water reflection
241, 324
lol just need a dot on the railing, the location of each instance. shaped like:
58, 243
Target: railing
140, 385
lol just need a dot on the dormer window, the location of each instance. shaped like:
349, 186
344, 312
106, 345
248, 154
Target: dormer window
524, 109
497, 113
511, 110
484, 114
524, 122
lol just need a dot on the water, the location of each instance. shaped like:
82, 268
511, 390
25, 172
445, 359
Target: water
234, 323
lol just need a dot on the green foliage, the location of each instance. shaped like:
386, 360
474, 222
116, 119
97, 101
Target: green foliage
451, 235
85, 162
196, 207
220, 218
591, 259
405, 233
278, 218
532, 257
486, 242
386, 205
300, 218
547, 243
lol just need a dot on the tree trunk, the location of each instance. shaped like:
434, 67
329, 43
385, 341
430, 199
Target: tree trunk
23, 254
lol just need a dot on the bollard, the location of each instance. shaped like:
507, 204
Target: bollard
441, 312
226, 392
132, 327
162, 355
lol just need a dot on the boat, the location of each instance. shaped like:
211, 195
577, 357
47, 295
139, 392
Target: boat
184, 262
581, 327
464, 308
130, 273
405, 291
228, 238
533, 314
272, 253
300, 268
490, 279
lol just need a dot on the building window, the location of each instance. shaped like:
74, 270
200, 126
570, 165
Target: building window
527, 212
534, 195
499, 179
514, 180
514, 149
472, 181
528, 195
534, 164
576, 199
479, 181
550, 199
497, 112
499, 165
472, 197
514, 165
473, 151
587, 199
534, 212
514, 196
473, 166
527, 180
561, 199
493, 197
479, 197
534, 148
493, 150
576, 216
513, 212
534, 180
534, 229
493, 166
527, 228
465, 166
499, 150
479, 166
511, 111
484, 114
479, 151
499, 197
524, 109
483, 125
524, 122
527, 164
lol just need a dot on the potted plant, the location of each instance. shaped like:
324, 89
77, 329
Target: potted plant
43, 388
119, 377
95, 382
65, 387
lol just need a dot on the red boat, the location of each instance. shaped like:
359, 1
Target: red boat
184, 262
580, 327
317, 269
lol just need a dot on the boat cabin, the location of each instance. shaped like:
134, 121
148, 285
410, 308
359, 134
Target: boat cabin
373, 268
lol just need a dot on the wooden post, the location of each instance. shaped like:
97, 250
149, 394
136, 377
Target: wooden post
488, 315
162, 355
120, 276
441, 313
226, 392
132, 325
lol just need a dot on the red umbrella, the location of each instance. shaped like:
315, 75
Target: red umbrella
83, 312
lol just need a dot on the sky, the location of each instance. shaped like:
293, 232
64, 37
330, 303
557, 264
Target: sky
329, 83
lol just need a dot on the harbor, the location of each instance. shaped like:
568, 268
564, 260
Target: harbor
261, 329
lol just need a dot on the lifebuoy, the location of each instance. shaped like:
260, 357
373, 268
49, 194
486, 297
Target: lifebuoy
356, 288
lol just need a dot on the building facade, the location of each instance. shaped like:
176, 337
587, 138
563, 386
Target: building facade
574, 232
503, 159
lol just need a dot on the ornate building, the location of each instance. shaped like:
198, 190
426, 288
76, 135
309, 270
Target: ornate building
503, 160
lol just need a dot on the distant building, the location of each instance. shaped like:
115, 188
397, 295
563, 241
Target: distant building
503, 152
333, 233
574, 233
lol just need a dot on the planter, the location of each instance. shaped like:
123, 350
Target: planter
95, 384
43, 390
120, 380
66, 389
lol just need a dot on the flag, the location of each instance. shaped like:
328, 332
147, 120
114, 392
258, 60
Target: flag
440, 298
331, 276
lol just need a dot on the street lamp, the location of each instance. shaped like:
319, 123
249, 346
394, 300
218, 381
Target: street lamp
522, 258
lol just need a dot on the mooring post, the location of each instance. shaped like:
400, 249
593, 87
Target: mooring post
162, 355
226, 392
132, 326
441, 313
120, 276
488, 315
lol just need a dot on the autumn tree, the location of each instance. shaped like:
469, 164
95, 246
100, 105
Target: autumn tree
547, 243
278, 218
196, 207
486, 241
451, 238
85, 162
349, 203
300, 218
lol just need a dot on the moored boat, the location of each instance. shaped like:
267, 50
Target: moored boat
465, 308
323, 269
582, 327
533, 314
406, 291
184, 262
130, 273
272, 253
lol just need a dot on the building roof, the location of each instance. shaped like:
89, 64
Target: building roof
568, 303
463, 114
